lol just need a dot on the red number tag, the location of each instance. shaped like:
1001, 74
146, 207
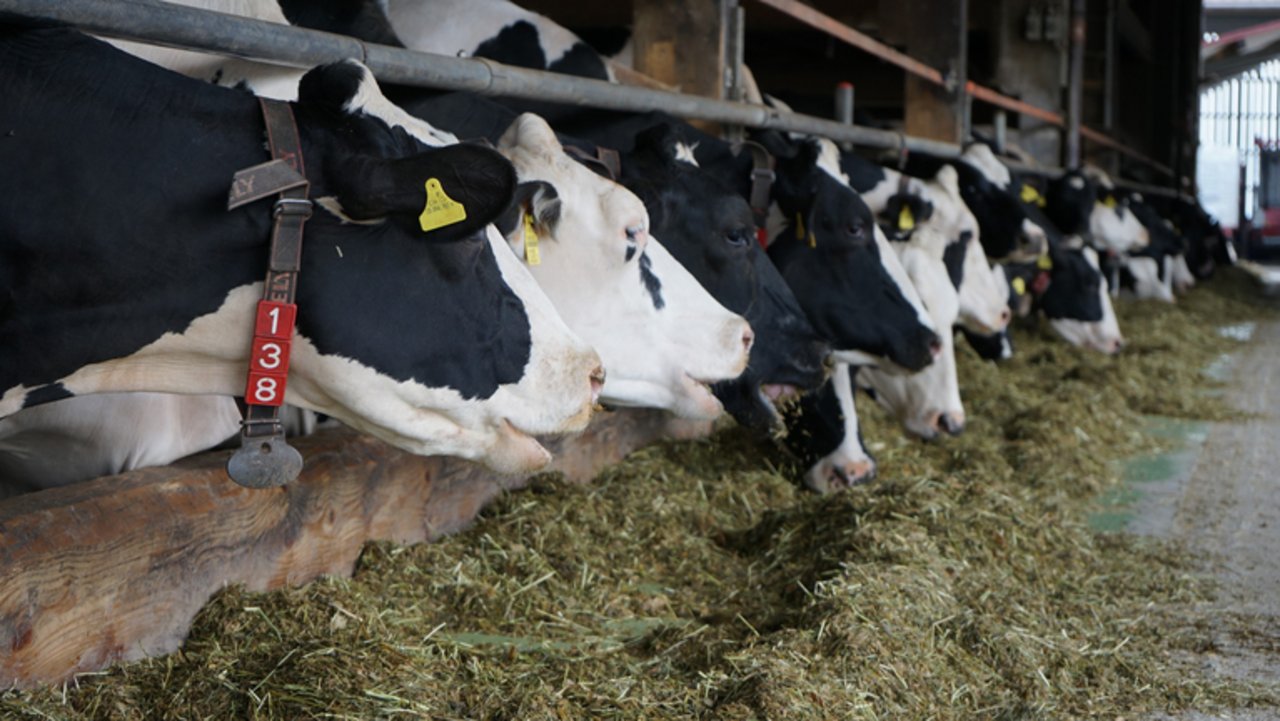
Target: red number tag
269, 358
275, 320
265, 389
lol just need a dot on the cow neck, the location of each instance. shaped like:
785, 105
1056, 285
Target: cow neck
762, 177
265, 459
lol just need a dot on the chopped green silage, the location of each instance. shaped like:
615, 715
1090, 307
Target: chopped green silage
696, 580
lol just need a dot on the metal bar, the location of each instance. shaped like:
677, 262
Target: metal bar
829, 25
1075, 86
178, 26
835, 28
988, 95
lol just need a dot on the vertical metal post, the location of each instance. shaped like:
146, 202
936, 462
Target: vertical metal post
1002, 130
735, 31
844, 107
1075, 85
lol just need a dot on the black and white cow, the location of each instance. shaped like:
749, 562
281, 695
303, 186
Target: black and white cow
494, 29
700, 222
1007, 231
1074, 296
825, 436
134, 278
708, 228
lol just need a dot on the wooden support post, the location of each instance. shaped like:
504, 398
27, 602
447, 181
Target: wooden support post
682, 44
935, 33
116, 569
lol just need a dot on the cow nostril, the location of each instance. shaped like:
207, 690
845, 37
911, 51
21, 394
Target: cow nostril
597, 382
950, 424
1005, 316
935, 347
748, 337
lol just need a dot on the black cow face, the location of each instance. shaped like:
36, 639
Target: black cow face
829, 256
1073, 291
1164, 240
709, 229
1070, 201
1005, 228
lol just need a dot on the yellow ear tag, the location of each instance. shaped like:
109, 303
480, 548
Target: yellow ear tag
799, 227
906, 221
1044, 262
1019, 286
813, 242
1031, 195
1110, 202
441, 210
531, 255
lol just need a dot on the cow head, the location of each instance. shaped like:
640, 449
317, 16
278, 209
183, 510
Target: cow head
844, 273
1008, 233
1077, 304
709, 228
983, 291
663, 338
825, 435
417, 332
926, 402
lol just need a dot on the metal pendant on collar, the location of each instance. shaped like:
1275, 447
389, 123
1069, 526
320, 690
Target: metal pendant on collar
265, 459
762, 177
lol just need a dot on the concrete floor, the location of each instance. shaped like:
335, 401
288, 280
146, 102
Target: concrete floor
1224, 503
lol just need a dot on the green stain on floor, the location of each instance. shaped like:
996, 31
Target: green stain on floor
1150, 474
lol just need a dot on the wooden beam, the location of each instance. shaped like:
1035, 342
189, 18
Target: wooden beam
681, 44
115, 569
936, 35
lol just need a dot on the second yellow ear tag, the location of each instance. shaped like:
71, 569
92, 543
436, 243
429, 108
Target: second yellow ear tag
441, 210
906, 221
1019, 286
1110, 202
1044, 262
1031, 195
531, 254
799, 227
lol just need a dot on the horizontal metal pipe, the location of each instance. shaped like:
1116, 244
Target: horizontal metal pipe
178, 26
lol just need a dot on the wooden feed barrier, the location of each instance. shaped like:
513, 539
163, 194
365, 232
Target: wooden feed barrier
115, 569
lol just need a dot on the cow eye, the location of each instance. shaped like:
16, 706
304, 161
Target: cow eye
856, 230
738, 238
634, 232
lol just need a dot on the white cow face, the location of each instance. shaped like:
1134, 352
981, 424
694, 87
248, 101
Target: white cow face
928, 401
1116, 228
983, 293
1102, 335
662, 337
850, 463
1147, 281
1183, 279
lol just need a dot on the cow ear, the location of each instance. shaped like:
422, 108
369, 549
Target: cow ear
949, 179
778, 145
659, 140
536, 198
449, 193
529, 130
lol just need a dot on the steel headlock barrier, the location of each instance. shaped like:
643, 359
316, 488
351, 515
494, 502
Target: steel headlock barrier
161, 23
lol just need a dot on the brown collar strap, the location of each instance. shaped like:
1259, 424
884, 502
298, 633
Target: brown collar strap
606, 159
265, 459
762, 177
